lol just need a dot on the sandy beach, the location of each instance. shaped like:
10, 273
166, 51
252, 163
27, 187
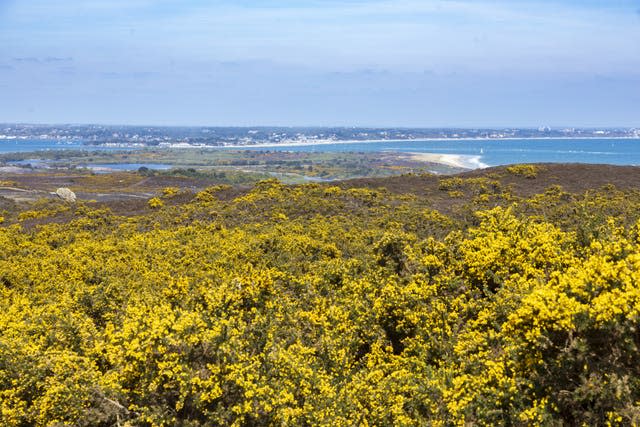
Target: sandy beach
454, 160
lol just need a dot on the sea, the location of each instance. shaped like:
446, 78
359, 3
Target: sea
471, 153
494, 152
28, 145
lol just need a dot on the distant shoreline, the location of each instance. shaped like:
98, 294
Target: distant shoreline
373, 141
188, 145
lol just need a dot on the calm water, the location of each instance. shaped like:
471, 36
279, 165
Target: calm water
127, 166
99, 167
22, 146
501, 152
474, 153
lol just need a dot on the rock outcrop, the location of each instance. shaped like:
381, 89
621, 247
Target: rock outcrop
66, 195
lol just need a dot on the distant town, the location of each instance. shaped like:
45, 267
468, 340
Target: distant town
157, 136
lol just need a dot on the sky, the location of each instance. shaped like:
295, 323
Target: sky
381, 63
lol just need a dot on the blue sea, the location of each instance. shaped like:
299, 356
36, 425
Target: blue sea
483, 153
28, 145
472, 153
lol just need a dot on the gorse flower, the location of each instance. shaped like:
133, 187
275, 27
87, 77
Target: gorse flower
318, 305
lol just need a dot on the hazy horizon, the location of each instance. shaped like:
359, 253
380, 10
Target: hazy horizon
331, 63
275, 126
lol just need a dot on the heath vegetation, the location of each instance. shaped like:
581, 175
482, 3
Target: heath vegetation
338, 304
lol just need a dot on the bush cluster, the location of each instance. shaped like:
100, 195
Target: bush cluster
316, 305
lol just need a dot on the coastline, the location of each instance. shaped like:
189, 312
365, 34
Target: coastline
367, 141
79, 144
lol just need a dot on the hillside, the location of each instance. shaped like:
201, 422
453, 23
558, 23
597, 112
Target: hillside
505, 296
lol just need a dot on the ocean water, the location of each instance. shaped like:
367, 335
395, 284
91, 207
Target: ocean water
27, 145
472, 153
127, 166
483, 153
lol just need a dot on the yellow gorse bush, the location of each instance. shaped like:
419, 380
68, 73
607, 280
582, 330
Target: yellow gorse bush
317, 305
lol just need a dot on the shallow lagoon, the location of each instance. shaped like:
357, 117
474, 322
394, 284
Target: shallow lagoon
126, 166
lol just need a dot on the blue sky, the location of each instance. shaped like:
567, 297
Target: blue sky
422, 63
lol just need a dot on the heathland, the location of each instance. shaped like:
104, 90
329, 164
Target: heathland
503, 296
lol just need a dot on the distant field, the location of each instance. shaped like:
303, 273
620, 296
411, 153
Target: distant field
234, 166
